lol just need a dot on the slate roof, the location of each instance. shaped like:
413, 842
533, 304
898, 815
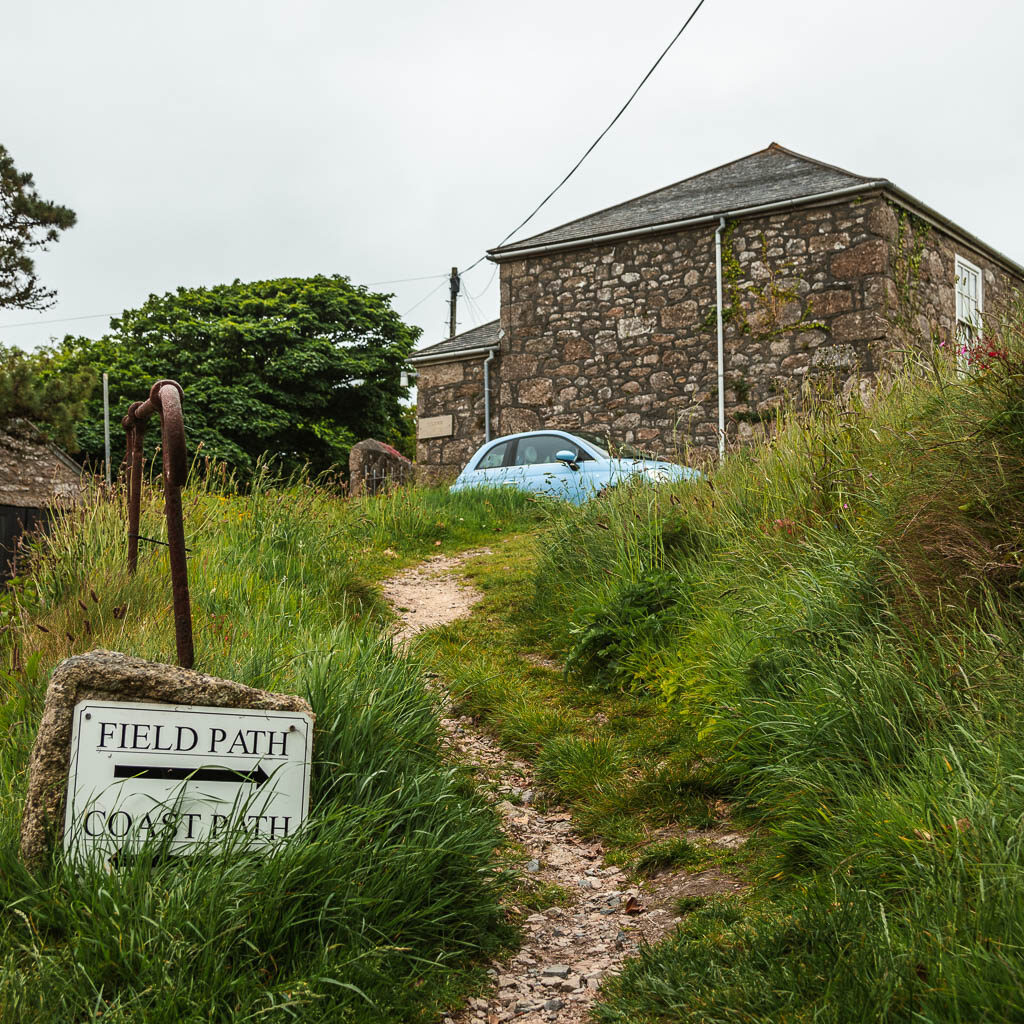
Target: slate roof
771, 175
484, 336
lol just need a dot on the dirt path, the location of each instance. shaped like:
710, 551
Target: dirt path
431, 593
566, 950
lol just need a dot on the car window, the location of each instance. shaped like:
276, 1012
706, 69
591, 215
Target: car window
494, 457
540, 449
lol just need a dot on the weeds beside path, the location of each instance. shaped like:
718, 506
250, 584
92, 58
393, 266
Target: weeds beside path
598, 918
381, 910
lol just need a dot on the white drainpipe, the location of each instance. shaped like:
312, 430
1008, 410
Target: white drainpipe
721, 342
487, 395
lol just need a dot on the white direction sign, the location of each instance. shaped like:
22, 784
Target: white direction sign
184, 775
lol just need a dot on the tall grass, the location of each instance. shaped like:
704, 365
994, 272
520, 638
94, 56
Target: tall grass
837, 615
375, 905
269, 570
380, 908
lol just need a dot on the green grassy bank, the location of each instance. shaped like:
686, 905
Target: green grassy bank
384, 907
823, 644
837, 619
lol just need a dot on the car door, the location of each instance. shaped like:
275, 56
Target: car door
490, 469
535, 468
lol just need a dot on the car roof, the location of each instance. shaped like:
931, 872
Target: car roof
534, 433
592, 449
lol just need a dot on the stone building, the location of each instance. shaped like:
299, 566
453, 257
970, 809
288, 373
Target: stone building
609, 323
35, 478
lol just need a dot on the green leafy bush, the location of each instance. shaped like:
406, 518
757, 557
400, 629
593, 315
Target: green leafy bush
297, 369
634, 614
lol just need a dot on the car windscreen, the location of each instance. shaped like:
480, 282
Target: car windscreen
600, 443
630, 451
616, 449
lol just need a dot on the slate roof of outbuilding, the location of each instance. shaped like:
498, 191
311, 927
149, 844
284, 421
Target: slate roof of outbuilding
484, 336
771, 175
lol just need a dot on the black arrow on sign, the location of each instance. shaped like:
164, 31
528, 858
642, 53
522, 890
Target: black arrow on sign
136, 771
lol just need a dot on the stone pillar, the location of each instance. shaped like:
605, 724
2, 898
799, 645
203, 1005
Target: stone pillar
374, 467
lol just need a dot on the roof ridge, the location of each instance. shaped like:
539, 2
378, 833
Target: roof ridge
819, 163
772, 146
626, 202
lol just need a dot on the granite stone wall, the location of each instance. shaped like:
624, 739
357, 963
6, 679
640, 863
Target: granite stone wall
923, 258
620, 339
457, 389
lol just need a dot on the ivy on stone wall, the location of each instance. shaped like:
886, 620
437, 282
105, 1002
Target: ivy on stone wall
768, 301
907, 255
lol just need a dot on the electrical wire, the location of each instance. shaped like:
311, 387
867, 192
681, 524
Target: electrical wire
405, 280
429, 277
486, 286
63, 320
521, 224
97, 316
425, 297
593, 145
474, 309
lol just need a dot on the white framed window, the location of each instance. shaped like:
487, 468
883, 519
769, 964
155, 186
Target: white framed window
967, 285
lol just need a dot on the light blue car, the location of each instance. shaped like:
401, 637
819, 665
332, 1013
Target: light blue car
561, 465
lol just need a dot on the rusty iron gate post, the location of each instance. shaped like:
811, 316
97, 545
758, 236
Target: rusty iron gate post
164, 398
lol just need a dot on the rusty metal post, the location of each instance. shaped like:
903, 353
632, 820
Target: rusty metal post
165, 399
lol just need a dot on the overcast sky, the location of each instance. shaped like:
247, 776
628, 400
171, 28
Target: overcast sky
201, 141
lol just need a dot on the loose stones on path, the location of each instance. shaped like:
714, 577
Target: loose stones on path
567, 951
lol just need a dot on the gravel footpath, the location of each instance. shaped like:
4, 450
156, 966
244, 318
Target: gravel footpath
567, 951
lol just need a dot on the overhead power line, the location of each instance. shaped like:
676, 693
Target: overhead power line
486, 286
443, 277
590, 149
427, 296
98, 316
594, 144
405, 280
474, 309
63, 320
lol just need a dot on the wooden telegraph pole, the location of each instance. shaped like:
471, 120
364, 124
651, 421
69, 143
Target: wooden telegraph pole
453, 301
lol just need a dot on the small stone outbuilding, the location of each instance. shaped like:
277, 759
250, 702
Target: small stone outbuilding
35, 477
608, 323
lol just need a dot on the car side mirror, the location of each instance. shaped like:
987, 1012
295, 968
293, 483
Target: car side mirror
567, 457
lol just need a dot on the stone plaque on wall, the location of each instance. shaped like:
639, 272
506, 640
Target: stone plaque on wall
435, 426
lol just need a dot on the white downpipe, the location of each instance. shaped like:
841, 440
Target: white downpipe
487, 395
721, 341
